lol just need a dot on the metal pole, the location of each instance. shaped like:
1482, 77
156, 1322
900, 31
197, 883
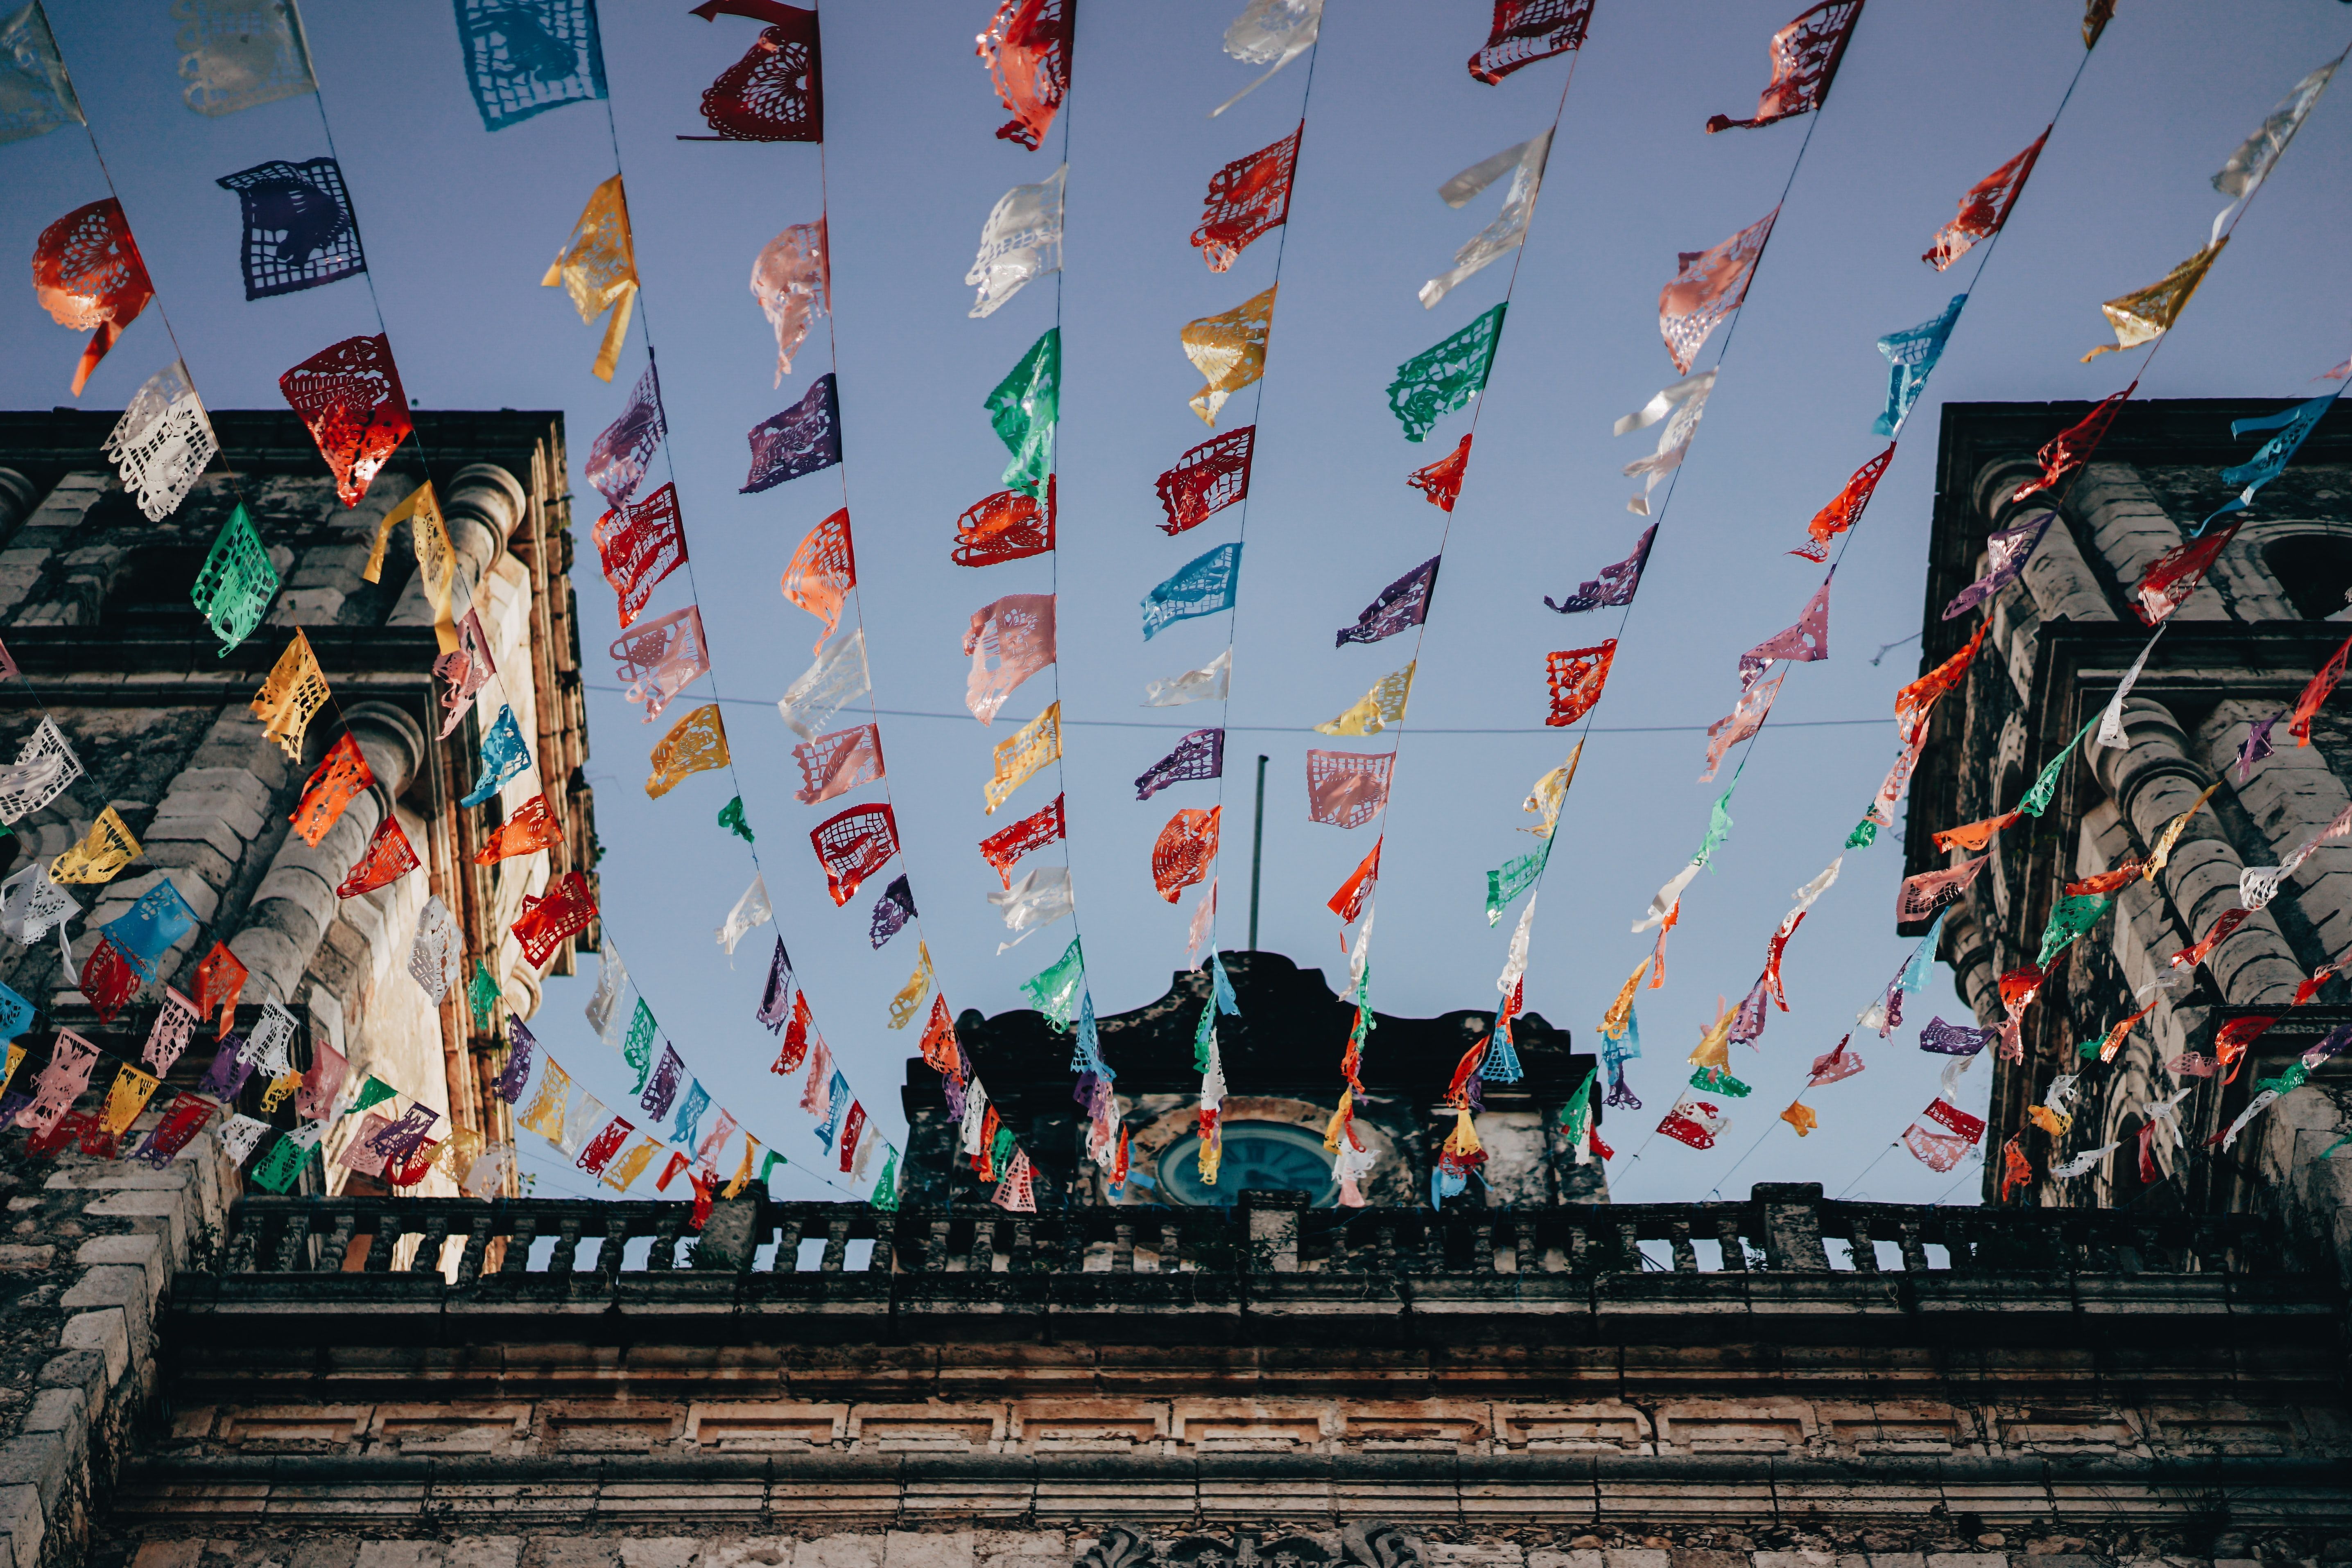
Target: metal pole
1257, 850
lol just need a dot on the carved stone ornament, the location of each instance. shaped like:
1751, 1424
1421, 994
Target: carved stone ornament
1374, 1544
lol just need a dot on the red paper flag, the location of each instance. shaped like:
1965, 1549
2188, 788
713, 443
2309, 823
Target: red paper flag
1442, 481
2016, 1170
823, 572
797, 1037
2315, 695
385, 861
638, 543
1005, 849
1207, 479
836, 764
1708, 284
776, 91
939, 1048
1247, 197
341, 774
564, 910
850, 1129
853, 846
1185, 847
1347, 789
1945, 1113
2173, 576
1576, 676
2223, 929
2072, 447
348, 398
605, 1145
220, 980
1984, 209
1027, 50
1006, 527
88, 274
1975, 835
1348, 904
1805, 55
533, 827
1846, 508
2114, 881
1525, 31
108, 979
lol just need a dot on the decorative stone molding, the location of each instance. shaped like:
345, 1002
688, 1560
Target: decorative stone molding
1374, 1544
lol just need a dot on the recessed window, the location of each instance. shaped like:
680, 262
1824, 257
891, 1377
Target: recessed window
2316, 571
1264, 1154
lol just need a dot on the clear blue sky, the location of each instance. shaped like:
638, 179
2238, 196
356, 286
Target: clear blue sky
460, 225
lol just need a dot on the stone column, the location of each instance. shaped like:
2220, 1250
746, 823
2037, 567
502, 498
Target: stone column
296, 901
2153, 779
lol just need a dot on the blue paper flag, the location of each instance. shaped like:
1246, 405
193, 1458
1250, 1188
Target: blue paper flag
1205, 586
16, 1015
146, 931
1911, 357
684, 1130
2293, 425
504, 755
526, 56
839, 1092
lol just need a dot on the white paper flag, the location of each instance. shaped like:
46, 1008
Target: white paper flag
751, 912
839, 677
1036, 901
1270, 33
1525, 164
1022, 240
1208, 681
162, 442
1685, 401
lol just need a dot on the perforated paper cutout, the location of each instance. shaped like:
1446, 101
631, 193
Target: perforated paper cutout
638, 544
1248, 197
298, 228
1207, 479
1805, 55
1021, 242
853, 846
88, 274
235, 584
1347, 789
1024, 409
823, 572
1026, 48
836, 764
618, 456
164, 440
1442, 379
349, 397
776, 91
1525, 31
291, 696
803, 439
1708, 286
1229, 351
526, 56
792, 279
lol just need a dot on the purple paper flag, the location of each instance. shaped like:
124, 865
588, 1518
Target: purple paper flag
1200, 755
776, 1002
891, 912
1402, 603
2006, 553
664, 1087
521, 1044
801, 440
1615, 585
1952, 1040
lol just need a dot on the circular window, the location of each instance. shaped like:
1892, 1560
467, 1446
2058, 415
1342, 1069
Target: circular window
1264, 1154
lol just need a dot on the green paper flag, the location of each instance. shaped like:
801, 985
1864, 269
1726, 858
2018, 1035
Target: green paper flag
1053, 991
374, 1092
1436, 382
280, 1168
731, 816
233, 590
1514, 878
1000, 1153
1864, 834
885, 1186
1719, 1081
637, 1051
1204, 1037
482, 996
1023, 408
769, 1163
1719, 827
2037, 799
2075, 914
1576, 1117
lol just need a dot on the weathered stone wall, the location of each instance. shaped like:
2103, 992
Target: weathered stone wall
89, 1252
2238, 651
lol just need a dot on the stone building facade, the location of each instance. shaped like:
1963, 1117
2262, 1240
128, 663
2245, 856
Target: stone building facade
2239, 651
95, 610
1287, 1044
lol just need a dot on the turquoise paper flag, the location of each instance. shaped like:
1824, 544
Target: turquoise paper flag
1205, 586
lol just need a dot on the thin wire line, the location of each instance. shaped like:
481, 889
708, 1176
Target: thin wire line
1308, 728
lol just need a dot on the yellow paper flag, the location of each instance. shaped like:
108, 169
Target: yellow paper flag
2146, 314
2171, 835
1550, 794
100, 857
908, 1005
1229, 351
1800, 1116
1715, 1045
1022, 753
1376, 709
544, 1116
694, 743
291, 696
629, 1167
129, 1096
598, 266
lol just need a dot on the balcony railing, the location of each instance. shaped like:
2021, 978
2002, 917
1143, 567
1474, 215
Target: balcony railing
1780, 1229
